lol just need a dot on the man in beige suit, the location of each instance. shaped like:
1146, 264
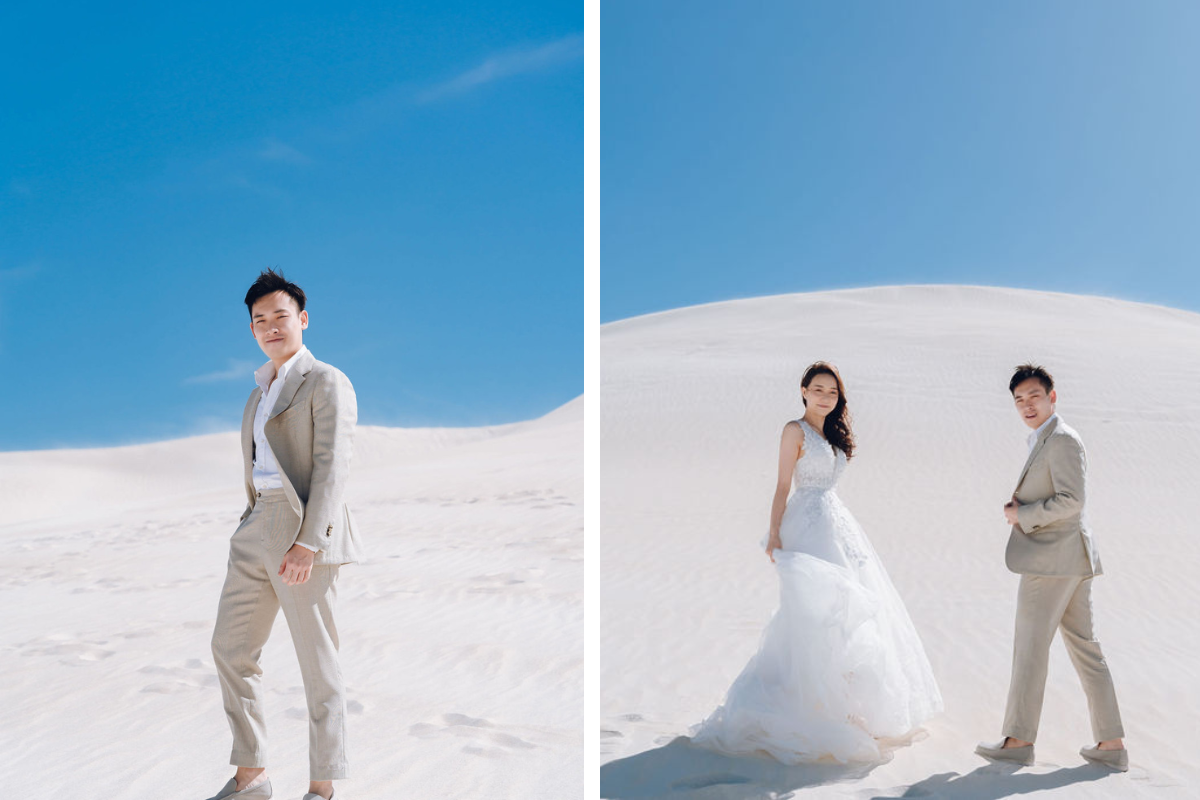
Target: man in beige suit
1051, 547
297, 438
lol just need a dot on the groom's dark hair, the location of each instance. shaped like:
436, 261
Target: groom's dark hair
269, 282
1027, 371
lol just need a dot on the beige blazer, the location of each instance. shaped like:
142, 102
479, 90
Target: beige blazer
1051, 536
311, 433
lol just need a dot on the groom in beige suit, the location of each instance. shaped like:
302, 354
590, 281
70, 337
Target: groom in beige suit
1051, 547
296, 532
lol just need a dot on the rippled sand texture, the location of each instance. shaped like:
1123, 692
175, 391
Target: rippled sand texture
461, 634
693, 402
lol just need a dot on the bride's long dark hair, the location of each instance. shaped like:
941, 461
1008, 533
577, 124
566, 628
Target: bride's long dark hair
837, 424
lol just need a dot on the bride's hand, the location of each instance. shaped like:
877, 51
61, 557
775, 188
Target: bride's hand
773, 544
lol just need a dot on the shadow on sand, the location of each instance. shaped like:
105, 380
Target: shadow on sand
680, 768
995, 781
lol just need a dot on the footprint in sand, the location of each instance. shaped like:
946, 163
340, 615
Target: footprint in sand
554, 501
72, 652
520, 580
519, 498
534, 498
484, 738
142, 634
609, 736
192, 675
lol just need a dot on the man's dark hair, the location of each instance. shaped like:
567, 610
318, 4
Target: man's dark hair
269, 282
1027, 371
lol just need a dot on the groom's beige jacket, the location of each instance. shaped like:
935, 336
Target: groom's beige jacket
1051, 536
311, 433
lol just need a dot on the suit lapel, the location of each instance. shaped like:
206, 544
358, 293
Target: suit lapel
292, 383
248, 430
1037, 447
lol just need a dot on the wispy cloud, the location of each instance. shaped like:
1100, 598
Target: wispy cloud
255, 166
237, 370
275, 150
506, 65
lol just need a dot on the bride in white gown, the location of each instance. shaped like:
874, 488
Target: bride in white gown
840, 666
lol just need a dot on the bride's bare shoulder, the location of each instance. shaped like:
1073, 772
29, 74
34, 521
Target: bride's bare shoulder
793, 432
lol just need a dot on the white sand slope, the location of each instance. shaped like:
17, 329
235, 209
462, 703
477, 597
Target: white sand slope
693, 402
461, 634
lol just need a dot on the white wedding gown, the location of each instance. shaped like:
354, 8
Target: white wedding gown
840, 665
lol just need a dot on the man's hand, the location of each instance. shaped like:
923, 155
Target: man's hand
1010, 511
297, 565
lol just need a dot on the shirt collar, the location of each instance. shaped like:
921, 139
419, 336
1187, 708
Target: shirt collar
264, 374
1033, 437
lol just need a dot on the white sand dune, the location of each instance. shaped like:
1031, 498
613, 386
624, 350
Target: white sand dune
461, 634
693, 402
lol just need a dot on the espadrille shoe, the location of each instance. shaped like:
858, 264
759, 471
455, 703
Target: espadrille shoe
1113, 759
260, 792
998, 752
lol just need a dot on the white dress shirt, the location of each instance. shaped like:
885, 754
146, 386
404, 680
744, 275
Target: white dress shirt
1033, 437
266, 471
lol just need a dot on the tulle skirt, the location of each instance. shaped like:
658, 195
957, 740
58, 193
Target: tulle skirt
840, 673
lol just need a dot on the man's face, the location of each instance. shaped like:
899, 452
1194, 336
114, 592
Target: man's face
1033, 403
821, 394
277, 325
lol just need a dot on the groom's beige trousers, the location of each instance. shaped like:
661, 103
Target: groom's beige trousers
250, 601
1045, 605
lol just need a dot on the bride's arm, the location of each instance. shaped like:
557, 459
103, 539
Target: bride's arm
791, 447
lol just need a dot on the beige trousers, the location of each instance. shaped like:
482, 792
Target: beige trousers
1045, 605
250, 601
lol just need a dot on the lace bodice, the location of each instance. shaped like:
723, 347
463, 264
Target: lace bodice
822, 463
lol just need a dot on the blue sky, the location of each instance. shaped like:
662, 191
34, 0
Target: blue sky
797, 146
416, 168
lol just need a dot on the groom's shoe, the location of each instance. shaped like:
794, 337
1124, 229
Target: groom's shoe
998, 752
1113, 759
260, 792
